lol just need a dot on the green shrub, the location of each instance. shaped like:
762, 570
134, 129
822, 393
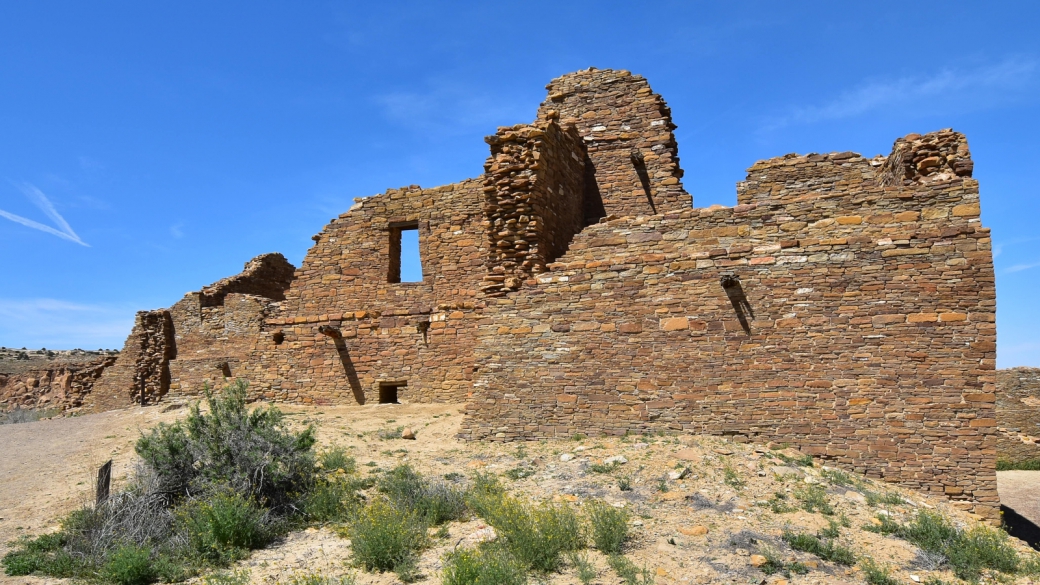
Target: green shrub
876, 498
731, 477
252, 452
968, 552
814, 499
624, 483
585, 570
436, 503
604, 467
519, 472
536, 535
223, 526
837, 477
130, 565
827, 550
317, 579
336, 458
876, 574
43, 555
628, 571
384, 536
485, 565
237, 577
775, 564
609, 526
332, 500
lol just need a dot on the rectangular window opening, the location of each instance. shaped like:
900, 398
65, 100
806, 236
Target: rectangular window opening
388, 392
405, 262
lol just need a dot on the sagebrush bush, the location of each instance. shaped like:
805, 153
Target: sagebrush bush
223, 526
384, 536
332, 500
130, 564
435, 502
628, 571
609, 526
967, 552
251, 452
537, 536
486, 565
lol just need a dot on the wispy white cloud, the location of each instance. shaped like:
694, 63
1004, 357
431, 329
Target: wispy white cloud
44, 204
176, 230
58, 324
976, 88
1021, 267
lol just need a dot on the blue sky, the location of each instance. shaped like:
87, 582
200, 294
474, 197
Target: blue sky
148, 149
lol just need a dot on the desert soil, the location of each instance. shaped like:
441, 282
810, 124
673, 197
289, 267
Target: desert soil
703, 529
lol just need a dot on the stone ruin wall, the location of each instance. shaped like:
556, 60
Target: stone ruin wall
844, 305
1018, 414
344, 329
201, 340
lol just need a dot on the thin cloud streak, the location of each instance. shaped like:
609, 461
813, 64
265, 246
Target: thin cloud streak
41, 201
978, 88
1021, 267
54, 323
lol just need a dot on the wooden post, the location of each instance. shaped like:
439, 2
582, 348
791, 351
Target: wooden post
104, 482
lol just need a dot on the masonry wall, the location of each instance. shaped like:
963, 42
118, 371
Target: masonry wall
416, 333
1018, 414
534, 191
633, 159
63, 387
200, 341
871, 318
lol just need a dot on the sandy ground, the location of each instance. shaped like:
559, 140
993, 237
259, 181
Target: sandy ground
703, 529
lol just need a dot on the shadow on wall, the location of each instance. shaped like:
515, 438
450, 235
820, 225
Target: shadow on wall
594, 209
644, 177
735, 292
344, 358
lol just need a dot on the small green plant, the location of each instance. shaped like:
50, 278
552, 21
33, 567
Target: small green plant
237, 577
334, 499
662, 485
453, 476
537, 536
384, 536
837, 477
390, 434
827, 550
485, 565
876, 574
609, 526
521, 451
801, 460
586, 572
875, 498
519, 472
604, 467
579, 437
813, 498
624, 483
129, 565
315, 579
779, 504
337, 458
628, 571
775, 564
731, 478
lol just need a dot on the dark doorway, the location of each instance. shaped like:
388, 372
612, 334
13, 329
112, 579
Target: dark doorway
388, 392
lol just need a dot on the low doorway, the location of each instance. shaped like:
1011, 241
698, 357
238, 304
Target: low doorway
388, 392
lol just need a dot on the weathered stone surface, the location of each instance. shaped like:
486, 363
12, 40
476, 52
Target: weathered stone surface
574, 288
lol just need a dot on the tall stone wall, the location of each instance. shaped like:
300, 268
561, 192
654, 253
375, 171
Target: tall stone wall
344, 329
201, 340
857, 323
633, 160
1018, 414
534, 192
141, 374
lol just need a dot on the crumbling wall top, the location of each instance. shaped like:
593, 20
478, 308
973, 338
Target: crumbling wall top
267, 275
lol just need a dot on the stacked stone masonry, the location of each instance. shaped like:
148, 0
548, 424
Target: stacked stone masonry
1018, 414
845, 305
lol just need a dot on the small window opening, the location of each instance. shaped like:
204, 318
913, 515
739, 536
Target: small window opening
278, 337
405, 262
388, 392
225, 369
